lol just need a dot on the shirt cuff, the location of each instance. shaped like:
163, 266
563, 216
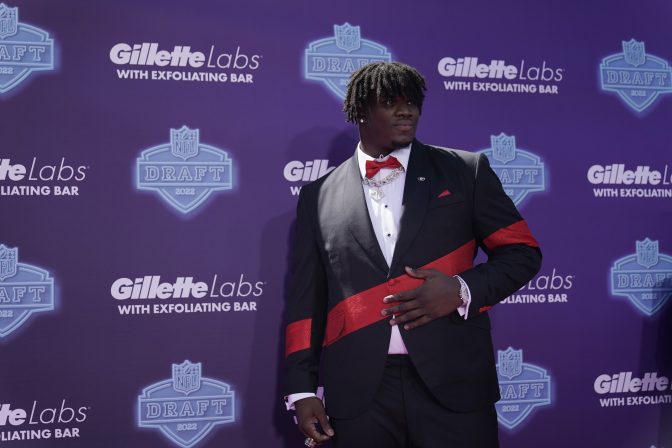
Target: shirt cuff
293, 398
465, 295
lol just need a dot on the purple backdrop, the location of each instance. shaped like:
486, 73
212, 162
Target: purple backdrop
127, 249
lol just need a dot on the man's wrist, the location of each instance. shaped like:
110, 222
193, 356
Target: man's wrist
293, 398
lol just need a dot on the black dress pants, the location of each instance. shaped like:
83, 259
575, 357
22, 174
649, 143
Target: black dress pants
405, 414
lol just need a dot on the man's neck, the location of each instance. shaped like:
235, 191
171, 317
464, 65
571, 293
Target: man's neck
377, 155
374, 151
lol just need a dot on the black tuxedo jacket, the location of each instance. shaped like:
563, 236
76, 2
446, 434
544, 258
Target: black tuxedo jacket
453, 203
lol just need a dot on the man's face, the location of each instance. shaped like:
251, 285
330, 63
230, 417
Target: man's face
390, 123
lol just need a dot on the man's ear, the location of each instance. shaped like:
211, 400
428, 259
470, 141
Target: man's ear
363, 117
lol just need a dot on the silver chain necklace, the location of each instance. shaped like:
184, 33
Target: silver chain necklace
376, 191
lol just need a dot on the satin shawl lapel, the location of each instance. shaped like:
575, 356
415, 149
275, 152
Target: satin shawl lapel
414, 203
356, 214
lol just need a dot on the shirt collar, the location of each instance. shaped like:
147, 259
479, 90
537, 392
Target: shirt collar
402, 155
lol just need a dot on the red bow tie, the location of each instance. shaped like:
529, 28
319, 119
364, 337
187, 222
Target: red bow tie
373, 166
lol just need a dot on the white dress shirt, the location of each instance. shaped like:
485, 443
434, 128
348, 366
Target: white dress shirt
385, 215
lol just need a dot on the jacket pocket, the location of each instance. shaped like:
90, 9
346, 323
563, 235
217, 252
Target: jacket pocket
446, 200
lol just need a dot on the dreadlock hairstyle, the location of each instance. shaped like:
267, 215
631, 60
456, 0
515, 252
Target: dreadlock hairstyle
386, 80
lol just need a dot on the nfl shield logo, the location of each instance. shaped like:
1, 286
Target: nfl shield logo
186, 377
9, 18
510, 362
503, 147
633, 52
184, 142
8, 258
347, 37
647, 253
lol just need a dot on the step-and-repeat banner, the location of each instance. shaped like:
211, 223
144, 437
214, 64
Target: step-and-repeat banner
151, 157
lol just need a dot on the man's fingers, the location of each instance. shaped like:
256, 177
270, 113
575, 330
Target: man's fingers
400, 309
407, 317
418, 322
398, 297
309, 428
411, 293
419, 273
402, 296
309, 412
326, 427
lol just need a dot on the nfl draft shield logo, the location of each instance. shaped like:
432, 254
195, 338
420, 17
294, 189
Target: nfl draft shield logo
645, 277
184, 172
520, 171
184, 142
186, 377
333, 59
24, 290
186, 407
9, 19
347, 37
8, 259
24, 49
523, 388
638, 78
510, 363
634, 53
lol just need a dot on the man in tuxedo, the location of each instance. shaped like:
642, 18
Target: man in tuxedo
384, 300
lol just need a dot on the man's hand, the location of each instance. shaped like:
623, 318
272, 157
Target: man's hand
438, 296
310, 411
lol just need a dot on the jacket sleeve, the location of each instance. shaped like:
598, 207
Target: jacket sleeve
513, 254
306, 308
